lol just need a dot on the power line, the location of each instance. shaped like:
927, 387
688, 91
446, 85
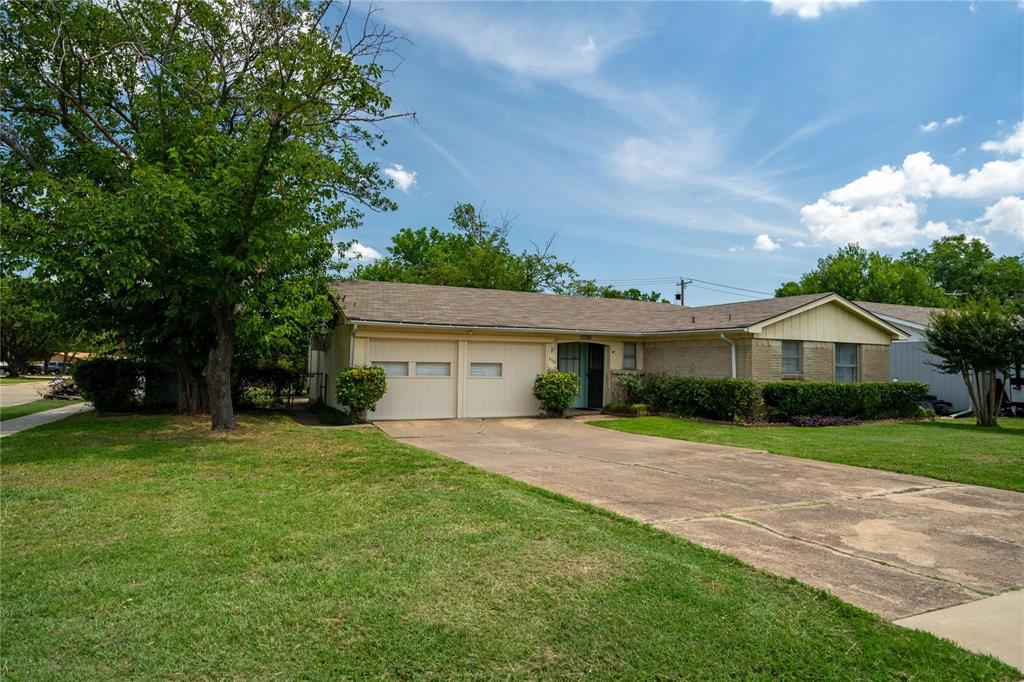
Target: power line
722, 291
674, 280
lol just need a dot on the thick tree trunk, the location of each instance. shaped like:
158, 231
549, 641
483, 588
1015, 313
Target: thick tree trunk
218, 370
191, 388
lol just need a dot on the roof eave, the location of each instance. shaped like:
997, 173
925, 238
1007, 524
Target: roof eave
542, 330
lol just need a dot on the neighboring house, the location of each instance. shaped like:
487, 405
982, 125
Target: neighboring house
911, 360
458, 352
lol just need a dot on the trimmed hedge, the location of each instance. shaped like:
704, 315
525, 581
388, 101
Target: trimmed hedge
742, 400
361, 388
110, 384
721, 399
786, 399
556, 391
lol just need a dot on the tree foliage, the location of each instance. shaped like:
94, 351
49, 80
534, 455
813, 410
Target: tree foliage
29, 327
178, 168
977, 341
856, 274
952, 268
476, 253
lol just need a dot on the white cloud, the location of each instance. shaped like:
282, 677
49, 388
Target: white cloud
808, 9
552, 43
1006, 215
661, 162
885, 225
403, 179
361, 252
765, 243
1011, 144
932, 126
882, 207
920, 176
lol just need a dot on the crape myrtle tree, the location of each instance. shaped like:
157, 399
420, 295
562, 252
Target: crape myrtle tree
977, 341
177, 169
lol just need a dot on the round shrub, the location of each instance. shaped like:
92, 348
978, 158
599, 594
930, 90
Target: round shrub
110, 384
361, 388
556, 391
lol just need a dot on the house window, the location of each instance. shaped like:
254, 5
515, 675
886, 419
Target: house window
394, 369
569, 357
629, 356
433, 369
485, 369
846, 362
792, 358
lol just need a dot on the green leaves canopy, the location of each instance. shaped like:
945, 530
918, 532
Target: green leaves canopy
178, 168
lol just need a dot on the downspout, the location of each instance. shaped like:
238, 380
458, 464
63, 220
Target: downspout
732, 352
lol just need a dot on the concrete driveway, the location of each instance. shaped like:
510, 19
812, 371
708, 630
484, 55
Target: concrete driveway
893, 544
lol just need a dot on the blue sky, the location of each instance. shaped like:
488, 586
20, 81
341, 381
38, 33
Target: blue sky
733, 142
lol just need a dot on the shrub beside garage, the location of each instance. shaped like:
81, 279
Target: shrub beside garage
745, 401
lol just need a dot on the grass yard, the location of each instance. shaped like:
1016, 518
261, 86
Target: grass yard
41, 405
23, 380
147, 547
952, 451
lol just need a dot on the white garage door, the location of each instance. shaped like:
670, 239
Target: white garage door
499, 379
422, 378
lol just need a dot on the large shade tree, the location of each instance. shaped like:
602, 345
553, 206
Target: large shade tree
177, 168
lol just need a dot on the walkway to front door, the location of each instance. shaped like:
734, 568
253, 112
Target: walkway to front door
894, 544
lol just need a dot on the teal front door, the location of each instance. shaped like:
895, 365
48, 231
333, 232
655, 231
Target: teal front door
572, 357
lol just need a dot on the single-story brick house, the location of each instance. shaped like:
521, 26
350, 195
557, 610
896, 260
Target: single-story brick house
457, 352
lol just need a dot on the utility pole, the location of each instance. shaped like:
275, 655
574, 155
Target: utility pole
681, 295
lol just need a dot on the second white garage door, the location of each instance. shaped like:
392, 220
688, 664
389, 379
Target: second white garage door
429, 379
499, 379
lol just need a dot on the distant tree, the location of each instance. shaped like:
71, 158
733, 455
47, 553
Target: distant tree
28, 325
977, 341
474, 254
178, 168
594, 290
857, 274
965, 267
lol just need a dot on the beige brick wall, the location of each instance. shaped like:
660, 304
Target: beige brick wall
874, 362
698, 358
767, 359
758, 359
819, 361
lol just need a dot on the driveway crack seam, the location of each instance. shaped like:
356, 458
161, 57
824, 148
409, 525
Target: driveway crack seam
880, 562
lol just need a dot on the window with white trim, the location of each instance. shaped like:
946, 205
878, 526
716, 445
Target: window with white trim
393, 369
433, 369
846, 362
485, 369
629, 355
792, 358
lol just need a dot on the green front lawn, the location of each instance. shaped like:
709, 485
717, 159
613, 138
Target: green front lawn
147, 547
41, 405
952, 451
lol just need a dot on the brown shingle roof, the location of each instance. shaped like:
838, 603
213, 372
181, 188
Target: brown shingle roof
911, 313
424, 304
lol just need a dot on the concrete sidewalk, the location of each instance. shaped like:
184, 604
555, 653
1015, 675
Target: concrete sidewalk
993, 626
11, 426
